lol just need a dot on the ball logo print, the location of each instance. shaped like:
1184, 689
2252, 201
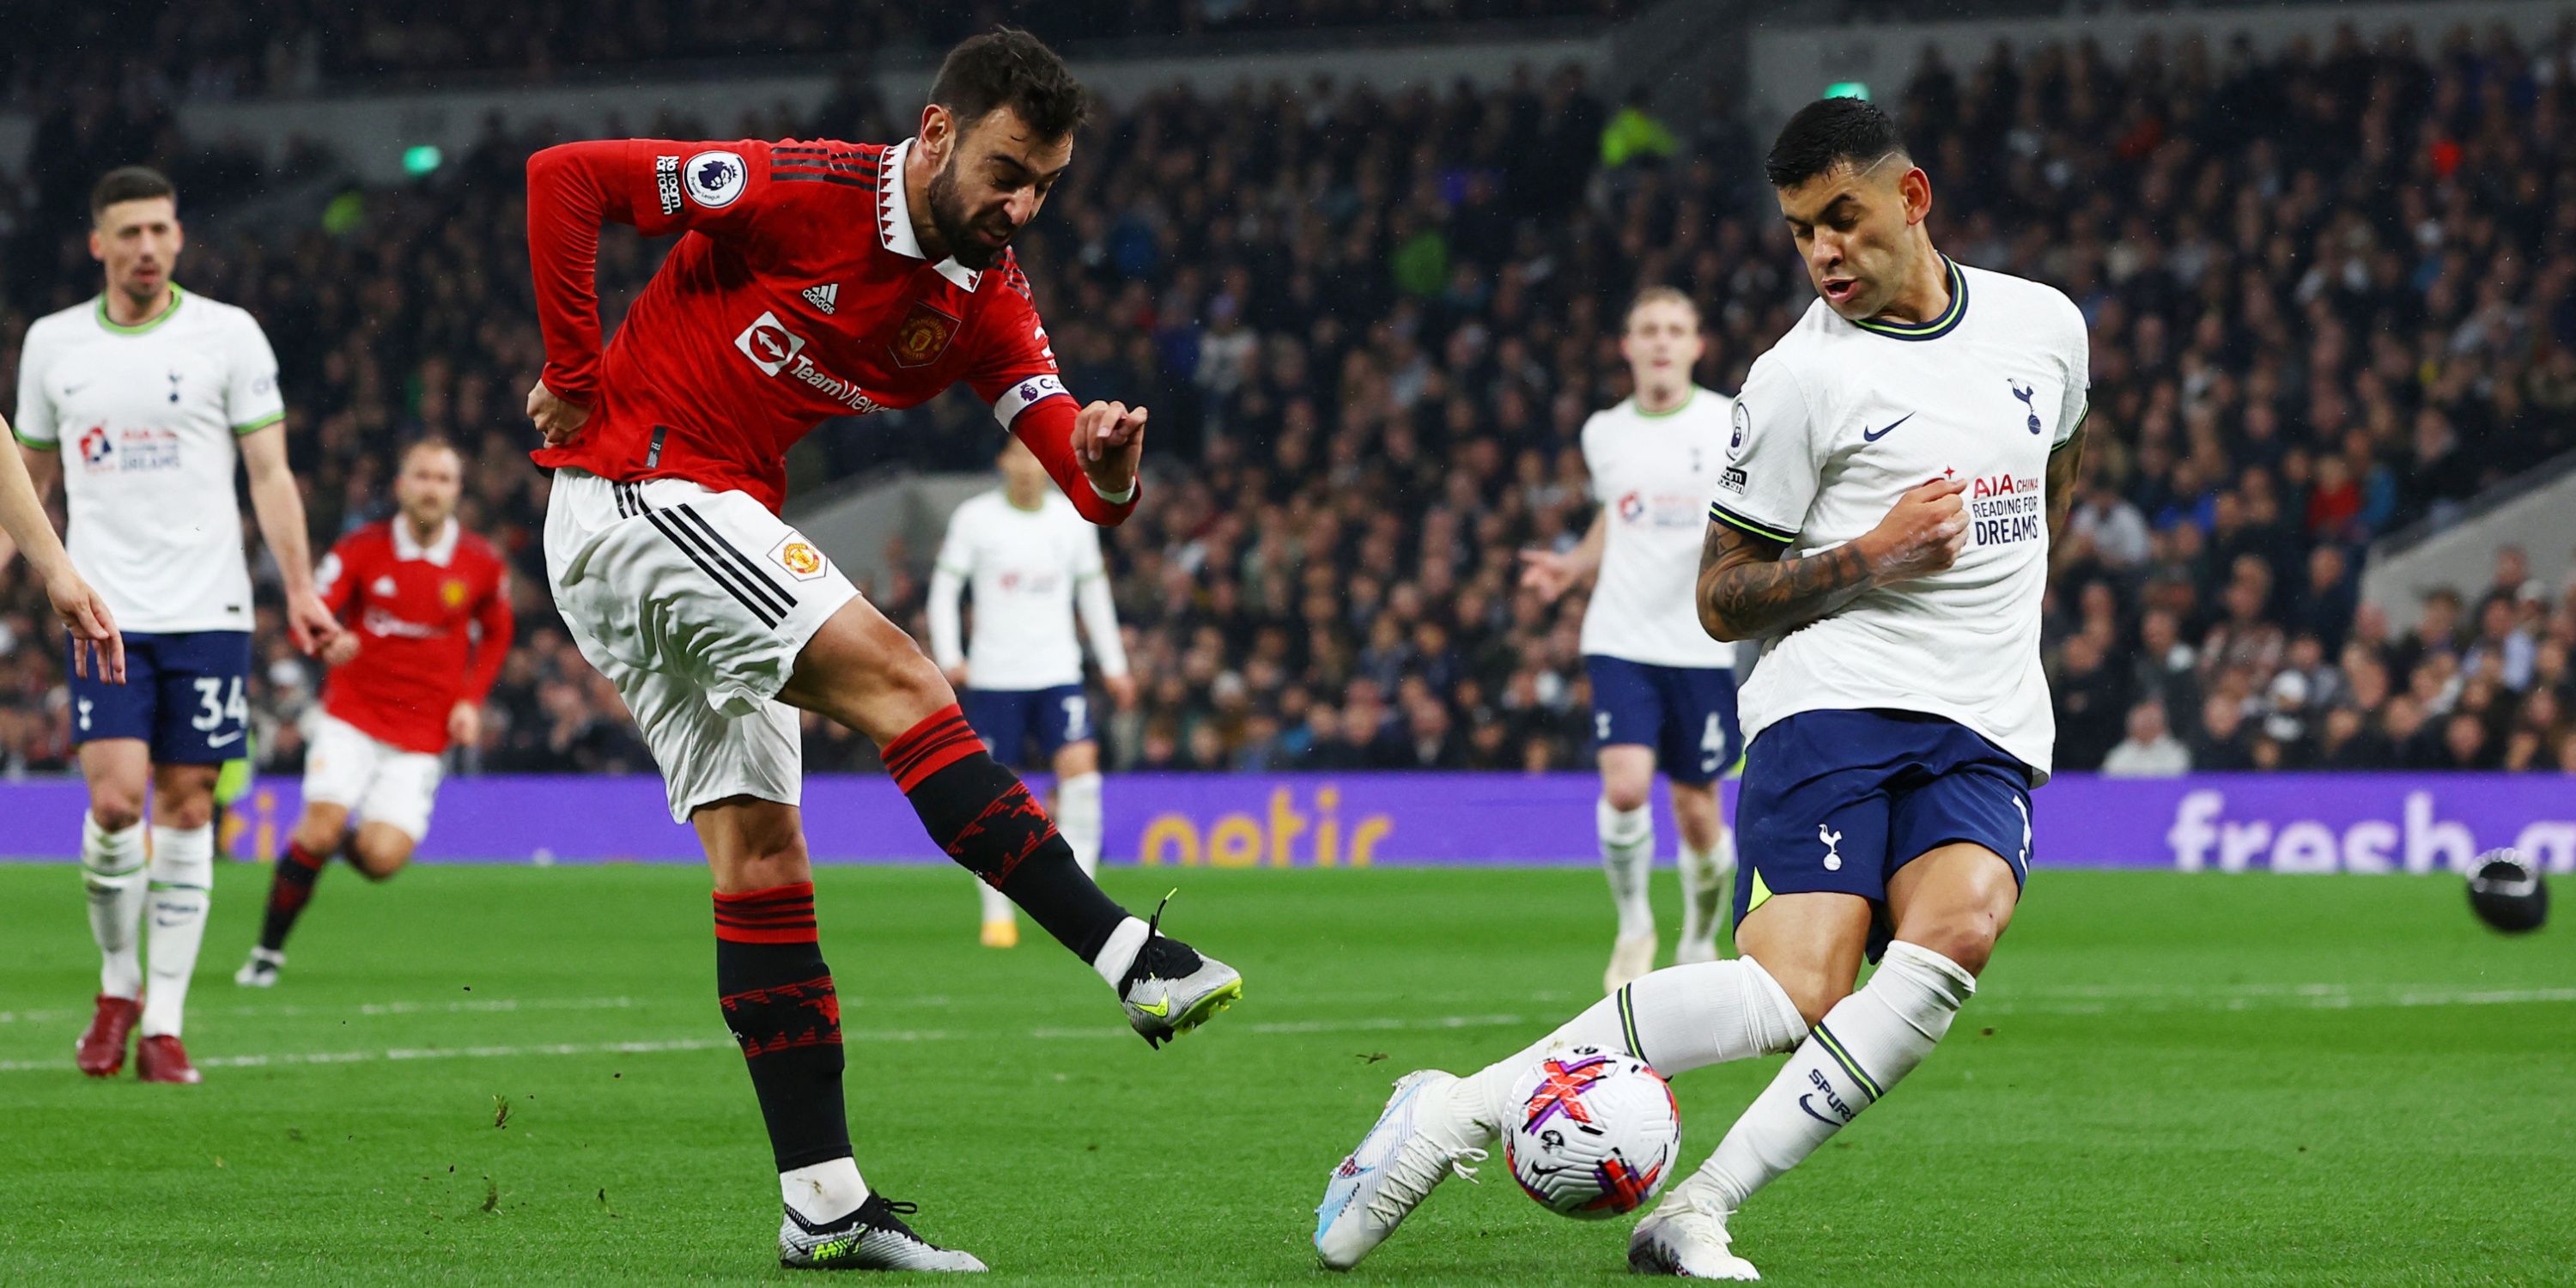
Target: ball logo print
1596, 1134
715, 180
1743, 431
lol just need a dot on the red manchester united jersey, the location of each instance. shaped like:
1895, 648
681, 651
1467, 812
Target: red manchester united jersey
798, 291
419, 613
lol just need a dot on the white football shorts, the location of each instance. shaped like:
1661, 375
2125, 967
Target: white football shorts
694, 603
372, 779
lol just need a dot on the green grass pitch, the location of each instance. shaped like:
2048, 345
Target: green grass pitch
2165, 1079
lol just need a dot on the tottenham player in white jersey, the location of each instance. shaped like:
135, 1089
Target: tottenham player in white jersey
141, 401
1033, 562
1663, 692
1907, 450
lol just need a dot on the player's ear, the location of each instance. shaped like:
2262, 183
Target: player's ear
97, 244
938, 134
1916, 188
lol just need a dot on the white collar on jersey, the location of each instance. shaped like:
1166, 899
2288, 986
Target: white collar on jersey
894, 219
437, 552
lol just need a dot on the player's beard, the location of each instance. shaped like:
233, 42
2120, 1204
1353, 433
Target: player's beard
948, 216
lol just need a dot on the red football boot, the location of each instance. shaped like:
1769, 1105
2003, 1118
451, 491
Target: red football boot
101, 1049
160, 1058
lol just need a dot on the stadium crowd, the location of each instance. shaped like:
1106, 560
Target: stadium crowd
2333, 295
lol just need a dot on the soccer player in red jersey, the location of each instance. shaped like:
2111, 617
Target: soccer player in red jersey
813, 280
429, 608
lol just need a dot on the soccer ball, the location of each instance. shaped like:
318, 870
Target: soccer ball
2506, 892
1596, 1134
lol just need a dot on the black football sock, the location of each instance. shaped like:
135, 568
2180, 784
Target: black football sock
984, 817
779, 1002
288, 891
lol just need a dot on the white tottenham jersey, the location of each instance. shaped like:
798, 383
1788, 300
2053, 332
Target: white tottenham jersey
1025, 567
1836, 422
1653, 473
145, 419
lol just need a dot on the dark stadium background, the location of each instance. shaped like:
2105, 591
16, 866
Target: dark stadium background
2332, 286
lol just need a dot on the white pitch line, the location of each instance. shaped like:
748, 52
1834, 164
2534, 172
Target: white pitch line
2299, 997
477, 1006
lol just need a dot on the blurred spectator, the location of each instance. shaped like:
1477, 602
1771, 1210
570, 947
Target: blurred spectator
2150, 750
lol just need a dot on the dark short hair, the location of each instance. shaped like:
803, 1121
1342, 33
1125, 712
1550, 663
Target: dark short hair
1831, 132
1008, 67
129, 183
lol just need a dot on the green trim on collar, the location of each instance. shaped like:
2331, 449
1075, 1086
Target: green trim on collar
177, 298
1937, 327
1674, 410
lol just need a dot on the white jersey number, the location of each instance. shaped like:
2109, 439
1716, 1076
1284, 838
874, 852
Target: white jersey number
214, 710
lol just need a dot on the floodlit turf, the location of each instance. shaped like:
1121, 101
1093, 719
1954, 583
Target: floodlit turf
2166, 1079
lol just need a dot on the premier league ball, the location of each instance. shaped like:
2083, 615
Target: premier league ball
2506, 892
1596, 1135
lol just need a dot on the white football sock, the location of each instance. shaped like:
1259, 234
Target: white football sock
1120, 952
1865, 1044
1078, 818
824, 1192
1676, 1019
183, 874
112, 870
997, 905
1628, 858
1704, 878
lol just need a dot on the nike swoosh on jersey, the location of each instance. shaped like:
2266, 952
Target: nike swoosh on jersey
1868, 437
225, 741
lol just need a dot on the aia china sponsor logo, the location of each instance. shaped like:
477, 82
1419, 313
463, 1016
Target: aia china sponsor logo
128, 451
778, 351
2003, 509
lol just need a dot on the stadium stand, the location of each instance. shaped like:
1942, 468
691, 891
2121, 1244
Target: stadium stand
1371, 332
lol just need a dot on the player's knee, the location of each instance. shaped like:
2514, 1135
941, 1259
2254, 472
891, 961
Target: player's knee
1966, 936
1813, 990
116, 809
378, 861
183, 809
1624, 794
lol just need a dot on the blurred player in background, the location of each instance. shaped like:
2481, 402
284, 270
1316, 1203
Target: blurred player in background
141, 401
1900, 460
814, 280
1033, 563
428, 609
1663, 692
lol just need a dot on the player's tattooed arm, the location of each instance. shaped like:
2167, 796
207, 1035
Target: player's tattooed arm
1750, 587
2065, 470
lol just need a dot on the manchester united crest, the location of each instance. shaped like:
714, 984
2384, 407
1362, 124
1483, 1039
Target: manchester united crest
451, 592
798, 556
923, 336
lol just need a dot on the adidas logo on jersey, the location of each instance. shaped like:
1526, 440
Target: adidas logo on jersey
824, 297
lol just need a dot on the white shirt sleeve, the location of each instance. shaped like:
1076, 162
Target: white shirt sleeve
1772, 470
2079, 375
1092, 602
947, 581
34, 421
251, 397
